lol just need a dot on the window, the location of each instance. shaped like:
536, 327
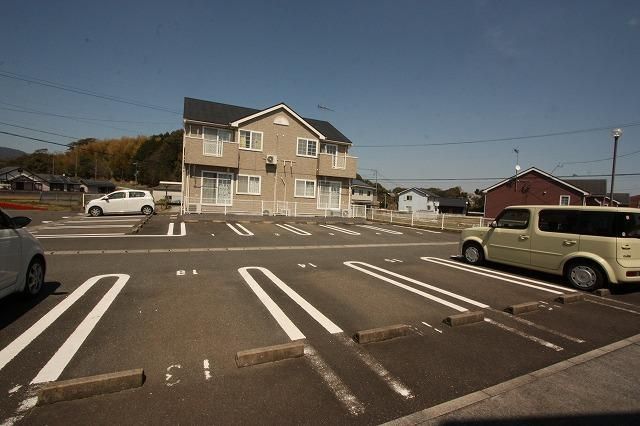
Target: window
305, 188
193, 131
368, 193
600, 224
216, 188
409, 197
329, 195
117, 195
214, 141
136, 194
565, 200
307, 147
513, 219
251, 140
328, 148
628, 225
249, 185
5, 221
564, 221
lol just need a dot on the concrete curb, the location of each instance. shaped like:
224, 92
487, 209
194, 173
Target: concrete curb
139, 226
381, 333
522, 308
269, 354
66, 390
464, 318
570, 298
501, 388
602, 292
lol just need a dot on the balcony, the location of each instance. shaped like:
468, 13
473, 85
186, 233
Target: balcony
210, 153
339, 165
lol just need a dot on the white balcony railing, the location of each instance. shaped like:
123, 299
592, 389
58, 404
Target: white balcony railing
213, 148
340, 161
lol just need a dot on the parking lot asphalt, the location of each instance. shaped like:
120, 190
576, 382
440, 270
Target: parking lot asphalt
182, 305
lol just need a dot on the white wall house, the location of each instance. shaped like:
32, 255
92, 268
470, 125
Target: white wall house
416, 199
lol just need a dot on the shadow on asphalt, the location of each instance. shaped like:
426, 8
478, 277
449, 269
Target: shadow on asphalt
592, 419
15, 305
551, 278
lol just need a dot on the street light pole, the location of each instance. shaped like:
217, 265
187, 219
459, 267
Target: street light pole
616, 133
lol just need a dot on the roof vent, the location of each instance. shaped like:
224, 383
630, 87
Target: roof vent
281, 120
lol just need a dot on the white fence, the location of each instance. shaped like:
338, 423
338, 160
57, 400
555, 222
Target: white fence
272, 208
427, 219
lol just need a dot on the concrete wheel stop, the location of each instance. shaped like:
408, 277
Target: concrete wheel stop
382, 333
269, 354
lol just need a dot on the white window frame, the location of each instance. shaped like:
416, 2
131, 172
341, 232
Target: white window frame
219, 143
339, 195
295, 188
409, 198
188, 133
568, 198
251, 133
218, 176
315, 141
249, 177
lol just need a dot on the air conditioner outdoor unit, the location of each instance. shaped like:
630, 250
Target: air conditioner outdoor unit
272, 159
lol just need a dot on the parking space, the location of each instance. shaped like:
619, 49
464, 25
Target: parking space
86, 227
183, 316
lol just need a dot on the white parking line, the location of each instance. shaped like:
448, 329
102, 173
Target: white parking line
418, 229
281, 318
292, 229
614, 307
105, 220
53, 369
539, 327
170, 230
525, 335
331, 379
22, 341
313, 312
86, 226
375, 228
353, 264
183, 232
90, 218
514, 279
344, 231
240, 230
393, 382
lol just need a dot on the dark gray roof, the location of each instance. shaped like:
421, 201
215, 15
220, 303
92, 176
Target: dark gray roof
7, 169
362, 184
58, 179
592, 186
451, 202
217, 113
621, 197
93, 182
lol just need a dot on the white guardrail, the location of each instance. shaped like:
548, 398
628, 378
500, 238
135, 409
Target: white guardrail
273, 208
427, 219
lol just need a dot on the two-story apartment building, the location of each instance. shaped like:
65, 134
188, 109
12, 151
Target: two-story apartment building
270, 161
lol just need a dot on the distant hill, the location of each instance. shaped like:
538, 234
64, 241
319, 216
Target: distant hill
10, 153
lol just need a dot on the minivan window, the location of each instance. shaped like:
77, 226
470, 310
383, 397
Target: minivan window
564, 221
599, 224
513, 219
628, 225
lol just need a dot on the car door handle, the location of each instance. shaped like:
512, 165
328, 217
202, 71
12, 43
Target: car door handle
625, 247
569, 242
523, 237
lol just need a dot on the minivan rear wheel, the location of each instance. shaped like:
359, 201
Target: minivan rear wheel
473, 253
585, 275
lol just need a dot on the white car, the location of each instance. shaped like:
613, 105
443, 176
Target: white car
22, 263
125, 201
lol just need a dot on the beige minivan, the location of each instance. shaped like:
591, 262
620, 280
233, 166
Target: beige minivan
590, 246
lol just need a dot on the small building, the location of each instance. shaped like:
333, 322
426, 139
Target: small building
416, 199
534, 186
452, 205
362, 193
634, 201
93, 186
20, 179
168, 190
60, 183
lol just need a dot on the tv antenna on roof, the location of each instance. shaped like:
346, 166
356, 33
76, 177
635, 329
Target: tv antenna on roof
325, 108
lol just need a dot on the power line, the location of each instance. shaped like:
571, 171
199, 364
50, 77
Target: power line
80, 91
40, 131
497, 178
107, 120
505, 139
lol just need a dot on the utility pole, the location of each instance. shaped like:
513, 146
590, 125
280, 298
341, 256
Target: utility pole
616, 133
376, 174
136, 172
76, 152
95, 174
53, 164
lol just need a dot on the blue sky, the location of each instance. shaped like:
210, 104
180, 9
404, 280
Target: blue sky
401, 72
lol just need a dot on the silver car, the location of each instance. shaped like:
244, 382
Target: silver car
22, 262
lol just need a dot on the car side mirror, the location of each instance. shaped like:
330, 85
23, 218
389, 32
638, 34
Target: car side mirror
21, 221
493, 224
